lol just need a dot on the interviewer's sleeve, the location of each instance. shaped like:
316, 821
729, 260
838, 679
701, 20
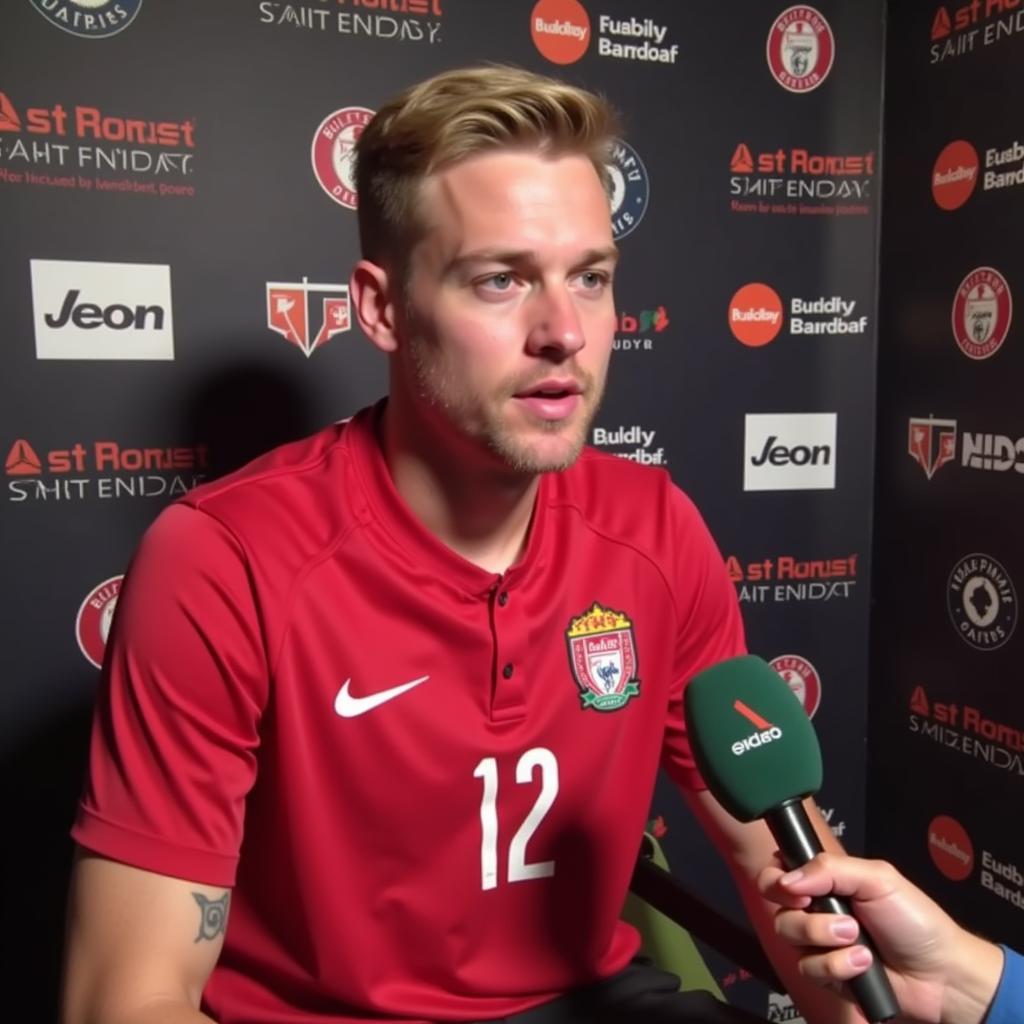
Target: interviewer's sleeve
1008, 1005
175, 732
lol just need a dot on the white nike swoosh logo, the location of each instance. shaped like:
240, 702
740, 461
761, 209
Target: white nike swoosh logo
352, 707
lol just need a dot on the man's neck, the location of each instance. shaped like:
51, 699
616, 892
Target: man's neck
482, 515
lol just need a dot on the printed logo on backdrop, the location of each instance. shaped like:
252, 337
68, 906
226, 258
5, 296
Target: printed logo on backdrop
562, 29
95, 614
104, 470
308, 315
797, 182
952, 852
956, 171
933, 442
86, 148
982, 311
802, 678
333, 153
86, 310
630, 188
801, 49
1003, 878
635, 332
837, 825
982, 602
89, 19
785, 579
780, 1008
633, 442
959, 30
405, 21
756, 317
950, 847
789, 451
968, 731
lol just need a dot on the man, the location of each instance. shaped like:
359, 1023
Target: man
941, 974
426, 662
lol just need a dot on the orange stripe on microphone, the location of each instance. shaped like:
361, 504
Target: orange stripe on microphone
751, 715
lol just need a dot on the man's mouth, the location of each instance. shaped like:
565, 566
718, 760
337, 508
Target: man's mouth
551, 399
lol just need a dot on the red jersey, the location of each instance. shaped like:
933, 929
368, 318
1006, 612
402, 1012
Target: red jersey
426, 782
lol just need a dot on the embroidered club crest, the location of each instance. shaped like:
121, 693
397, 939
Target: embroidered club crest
602, 654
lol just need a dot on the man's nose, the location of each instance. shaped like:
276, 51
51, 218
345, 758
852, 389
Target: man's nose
555, 327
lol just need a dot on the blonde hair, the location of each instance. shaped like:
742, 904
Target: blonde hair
455, 115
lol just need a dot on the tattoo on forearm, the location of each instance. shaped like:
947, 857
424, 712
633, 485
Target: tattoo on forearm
213, 915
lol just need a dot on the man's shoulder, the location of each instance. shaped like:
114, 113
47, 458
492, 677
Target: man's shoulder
308, 458
305, 490
621, 499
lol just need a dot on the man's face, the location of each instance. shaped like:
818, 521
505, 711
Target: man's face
509, 318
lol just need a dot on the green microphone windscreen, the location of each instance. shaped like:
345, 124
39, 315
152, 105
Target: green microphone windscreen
750, 736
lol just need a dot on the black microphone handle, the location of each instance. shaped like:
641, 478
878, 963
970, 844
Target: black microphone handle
799, 843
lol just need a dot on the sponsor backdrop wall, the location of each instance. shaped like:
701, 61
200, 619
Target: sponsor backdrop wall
177, 200
947, 707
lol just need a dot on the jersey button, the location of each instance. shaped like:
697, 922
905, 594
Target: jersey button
508, 670
503, 598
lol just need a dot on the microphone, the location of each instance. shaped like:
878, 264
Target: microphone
759, 755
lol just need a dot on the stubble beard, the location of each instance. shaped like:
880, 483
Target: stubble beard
487, 424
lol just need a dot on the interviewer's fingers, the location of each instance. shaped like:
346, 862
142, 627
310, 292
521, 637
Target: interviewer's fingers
769, 887
827, 930
838, 965
842, 876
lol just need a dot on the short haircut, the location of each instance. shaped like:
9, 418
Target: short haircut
455, 115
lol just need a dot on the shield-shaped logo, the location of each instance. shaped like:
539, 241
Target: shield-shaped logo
800, 49
980, 312
295, 310
931, 443
602, 655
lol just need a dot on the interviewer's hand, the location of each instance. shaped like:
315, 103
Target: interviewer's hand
941, 974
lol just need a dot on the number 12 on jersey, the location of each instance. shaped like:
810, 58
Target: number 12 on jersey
518, 869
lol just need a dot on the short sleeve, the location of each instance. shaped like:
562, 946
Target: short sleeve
710, 627
176, 725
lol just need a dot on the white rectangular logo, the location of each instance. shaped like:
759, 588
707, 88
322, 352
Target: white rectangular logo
789, 451
102, 310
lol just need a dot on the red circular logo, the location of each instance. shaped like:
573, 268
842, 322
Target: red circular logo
982, 311
801, 49
334, 153
950, 847
560, 30
955, 174
92, 624
755, 314
802, 678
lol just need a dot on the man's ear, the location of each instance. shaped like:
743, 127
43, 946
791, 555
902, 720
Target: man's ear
375, 299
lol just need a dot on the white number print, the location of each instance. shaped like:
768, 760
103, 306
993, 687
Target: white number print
518, 869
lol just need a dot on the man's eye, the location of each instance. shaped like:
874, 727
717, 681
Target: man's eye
593, 279
498, 282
